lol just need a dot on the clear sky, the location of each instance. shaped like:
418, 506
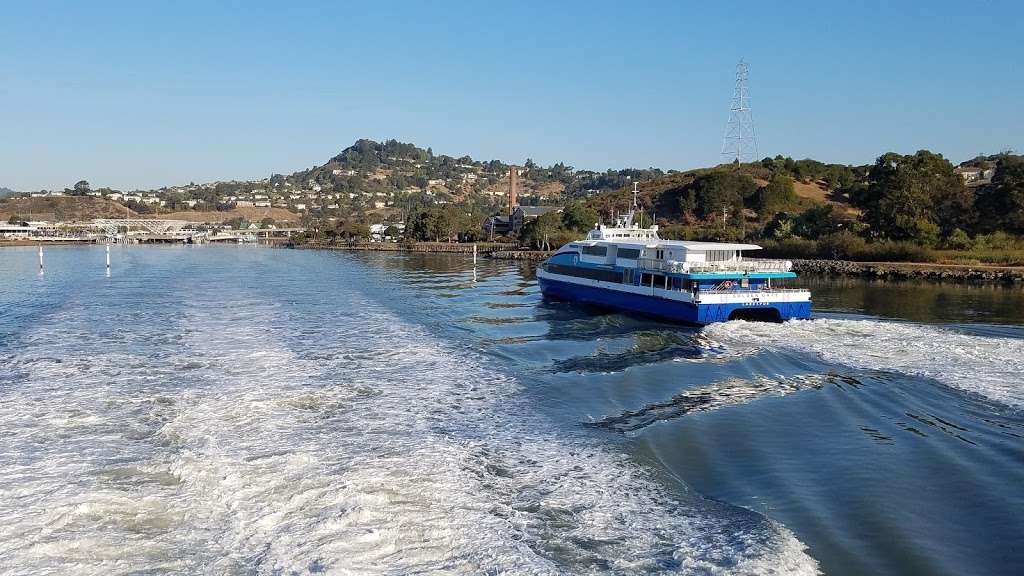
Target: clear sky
144, 94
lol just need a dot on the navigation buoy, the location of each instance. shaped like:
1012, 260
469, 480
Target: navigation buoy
40, 258
474, 254
108, 258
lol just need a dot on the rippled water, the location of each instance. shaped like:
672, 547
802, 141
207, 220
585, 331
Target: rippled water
237, 410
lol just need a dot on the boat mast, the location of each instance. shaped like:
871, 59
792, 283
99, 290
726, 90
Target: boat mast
635, 204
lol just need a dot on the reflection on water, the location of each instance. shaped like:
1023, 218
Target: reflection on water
920, 301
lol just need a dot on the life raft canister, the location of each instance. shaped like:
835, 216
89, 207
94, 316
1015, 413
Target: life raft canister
727, 284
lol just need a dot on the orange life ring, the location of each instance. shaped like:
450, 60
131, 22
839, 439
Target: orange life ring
727, 284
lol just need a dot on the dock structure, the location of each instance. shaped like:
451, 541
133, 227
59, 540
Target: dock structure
145, 229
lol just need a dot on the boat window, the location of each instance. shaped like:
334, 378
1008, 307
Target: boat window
565, 258
601, 274
631, 253
645, 279
595, 250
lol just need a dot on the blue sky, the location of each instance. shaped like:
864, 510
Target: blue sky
144, 94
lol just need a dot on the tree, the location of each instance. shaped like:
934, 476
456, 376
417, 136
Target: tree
266, 222
914, 197
722, 191
819, 221
579, 217
777, 195
1001, 203
779, 228
542, 231
81, 188
439, 223
139, 207
352, 230
838, 177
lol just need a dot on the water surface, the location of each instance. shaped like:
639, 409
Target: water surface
248, 410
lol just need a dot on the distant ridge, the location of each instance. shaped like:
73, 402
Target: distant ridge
5, 192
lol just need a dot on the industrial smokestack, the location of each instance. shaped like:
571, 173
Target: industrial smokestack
513, 181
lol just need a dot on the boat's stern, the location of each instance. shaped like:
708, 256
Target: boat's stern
769, 305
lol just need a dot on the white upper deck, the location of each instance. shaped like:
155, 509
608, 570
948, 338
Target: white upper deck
627, 244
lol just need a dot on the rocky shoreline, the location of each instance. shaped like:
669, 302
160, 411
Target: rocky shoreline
435, 247
530, 255
911, 271
872, 270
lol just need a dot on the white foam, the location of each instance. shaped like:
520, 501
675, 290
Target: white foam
989, 366
251, 443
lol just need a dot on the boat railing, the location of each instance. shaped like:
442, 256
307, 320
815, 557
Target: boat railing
758, 290
738, 266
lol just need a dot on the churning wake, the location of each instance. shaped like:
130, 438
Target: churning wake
729, 392
984, 365
239, 436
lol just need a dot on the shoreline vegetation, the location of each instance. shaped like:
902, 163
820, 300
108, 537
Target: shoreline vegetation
814, 266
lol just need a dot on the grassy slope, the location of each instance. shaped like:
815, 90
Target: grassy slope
67, 208
249, 213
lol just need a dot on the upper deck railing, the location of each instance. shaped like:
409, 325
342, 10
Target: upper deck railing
739, 266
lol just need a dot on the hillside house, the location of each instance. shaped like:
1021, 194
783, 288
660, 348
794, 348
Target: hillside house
973, 174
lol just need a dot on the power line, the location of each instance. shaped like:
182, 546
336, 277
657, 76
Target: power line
740, 142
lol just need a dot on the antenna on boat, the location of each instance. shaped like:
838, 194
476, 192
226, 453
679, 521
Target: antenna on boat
635, 184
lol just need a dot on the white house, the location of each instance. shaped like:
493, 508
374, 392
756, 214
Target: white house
974, 174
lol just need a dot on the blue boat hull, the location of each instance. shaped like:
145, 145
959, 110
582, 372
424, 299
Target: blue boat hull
671, 310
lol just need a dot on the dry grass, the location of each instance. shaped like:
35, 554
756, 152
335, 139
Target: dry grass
249, 213
66, 208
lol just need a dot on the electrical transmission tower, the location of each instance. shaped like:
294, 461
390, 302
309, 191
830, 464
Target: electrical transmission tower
739, 142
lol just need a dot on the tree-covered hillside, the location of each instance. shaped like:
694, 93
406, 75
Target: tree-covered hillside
897, 207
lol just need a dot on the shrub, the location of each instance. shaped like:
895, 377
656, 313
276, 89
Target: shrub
895, 251
998, 241
841, 246
798, 248
958, 240
678, 232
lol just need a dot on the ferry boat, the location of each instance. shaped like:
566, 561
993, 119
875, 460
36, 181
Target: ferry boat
626, 267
